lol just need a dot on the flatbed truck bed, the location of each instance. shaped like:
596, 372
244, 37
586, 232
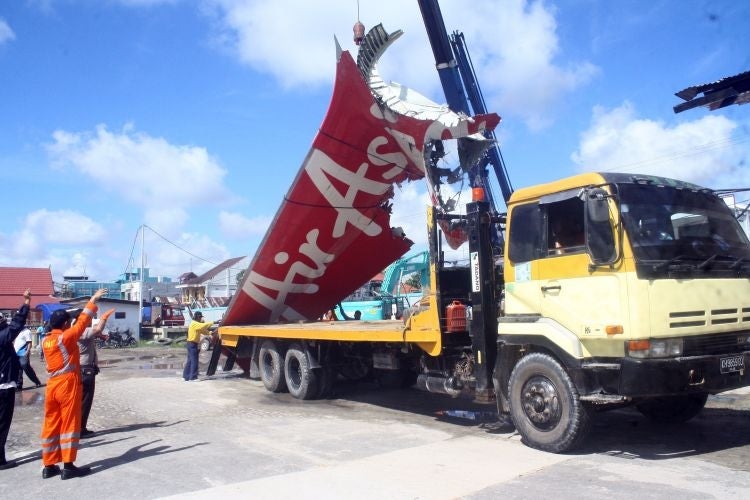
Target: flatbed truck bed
351, 331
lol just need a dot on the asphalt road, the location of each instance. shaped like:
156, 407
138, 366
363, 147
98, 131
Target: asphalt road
227, 437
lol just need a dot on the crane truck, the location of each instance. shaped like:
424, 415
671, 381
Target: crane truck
611, 290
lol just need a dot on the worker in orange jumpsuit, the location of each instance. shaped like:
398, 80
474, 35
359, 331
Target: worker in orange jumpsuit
62, 407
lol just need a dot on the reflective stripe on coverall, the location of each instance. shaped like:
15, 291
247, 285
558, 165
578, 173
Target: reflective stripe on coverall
62, 406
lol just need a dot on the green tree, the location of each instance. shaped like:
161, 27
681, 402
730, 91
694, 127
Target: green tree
414, 280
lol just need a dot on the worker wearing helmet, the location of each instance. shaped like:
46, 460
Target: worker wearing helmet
62, 406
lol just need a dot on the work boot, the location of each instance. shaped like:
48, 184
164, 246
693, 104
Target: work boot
70, 471
7, 464
50, 471
86, 433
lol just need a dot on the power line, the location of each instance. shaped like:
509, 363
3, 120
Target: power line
178, 246
701, 148
130, 263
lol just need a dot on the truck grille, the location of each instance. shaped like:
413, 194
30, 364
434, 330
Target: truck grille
686, 319
725, 343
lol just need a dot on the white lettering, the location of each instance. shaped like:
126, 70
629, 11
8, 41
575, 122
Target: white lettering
380, 159
476, 281
276, 305
321, 164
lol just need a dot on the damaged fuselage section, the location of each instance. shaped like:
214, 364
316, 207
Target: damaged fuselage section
332, 231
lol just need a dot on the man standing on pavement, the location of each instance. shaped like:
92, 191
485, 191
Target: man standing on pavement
62, 405
22, 345
195, 330
40, 332
9, 370
90, 367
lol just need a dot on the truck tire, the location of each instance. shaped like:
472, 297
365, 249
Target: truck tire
673, 409
545, 405
271, 364
301, 379
205, 345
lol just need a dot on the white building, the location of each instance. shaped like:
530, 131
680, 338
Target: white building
124, 318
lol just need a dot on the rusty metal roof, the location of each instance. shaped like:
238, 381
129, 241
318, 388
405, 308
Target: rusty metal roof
718, 94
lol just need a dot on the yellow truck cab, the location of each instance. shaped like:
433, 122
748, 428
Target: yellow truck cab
619, 289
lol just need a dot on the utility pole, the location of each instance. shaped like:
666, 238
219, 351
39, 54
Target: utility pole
140, 287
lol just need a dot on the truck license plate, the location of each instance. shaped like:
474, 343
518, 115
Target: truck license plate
732, 364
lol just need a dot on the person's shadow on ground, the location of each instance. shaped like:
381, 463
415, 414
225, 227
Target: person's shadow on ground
135, 427
136, 453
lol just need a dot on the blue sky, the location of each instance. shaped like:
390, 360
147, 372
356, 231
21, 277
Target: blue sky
193, 116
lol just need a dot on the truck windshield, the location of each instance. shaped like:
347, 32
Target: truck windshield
682, 231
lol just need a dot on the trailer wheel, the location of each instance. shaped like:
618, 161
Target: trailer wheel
301, 380
545, 404
673, 409
271, 364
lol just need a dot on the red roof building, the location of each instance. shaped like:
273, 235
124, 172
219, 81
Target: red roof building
15, 280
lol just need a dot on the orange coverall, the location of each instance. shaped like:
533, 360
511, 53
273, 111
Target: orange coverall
62, 406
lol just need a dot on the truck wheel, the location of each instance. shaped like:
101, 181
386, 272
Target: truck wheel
673, 409
271, 364
301, 380
545, 404
205, 345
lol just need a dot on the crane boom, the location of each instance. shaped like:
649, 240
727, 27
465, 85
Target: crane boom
462, 91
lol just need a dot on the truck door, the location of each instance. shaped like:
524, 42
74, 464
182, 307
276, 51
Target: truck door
583, 301
524, 251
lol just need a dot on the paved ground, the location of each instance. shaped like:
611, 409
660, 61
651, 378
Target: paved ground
228, 438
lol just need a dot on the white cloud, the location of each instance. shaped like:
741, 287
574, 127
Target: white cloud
169, 258
166, 181
69, 242
410, 204
513, 44
144, 170
237, 226
6, 33
701, 151
168, 221
64, 227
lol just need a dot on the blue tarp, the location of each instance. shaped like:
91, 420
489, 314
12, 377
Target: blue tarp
48, 308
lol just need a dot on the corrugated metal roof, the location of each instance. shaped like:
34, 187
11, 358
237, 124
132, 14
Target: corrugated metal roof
15, 280
730, 90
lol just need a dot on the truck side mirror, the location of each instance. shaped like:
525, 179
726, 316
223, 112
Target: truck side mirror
600, 236
597, 207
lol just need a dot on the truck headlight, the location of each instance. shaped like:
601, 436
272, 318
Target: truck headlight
654, 348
